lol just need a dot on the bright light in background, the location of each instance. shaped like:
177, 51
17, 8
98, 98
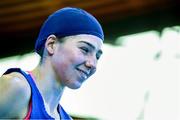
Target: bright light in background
26, 62
137, 80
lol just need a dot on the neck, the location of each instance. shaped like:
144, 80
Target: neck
48, 85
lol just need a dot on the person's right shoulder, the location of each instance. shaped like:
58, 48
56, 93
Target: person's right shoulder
15, 94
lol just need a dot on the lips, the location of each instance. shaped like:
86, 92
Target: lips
83, 73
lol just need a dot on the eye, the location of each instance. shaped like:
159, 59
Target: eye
84, 49
98, 57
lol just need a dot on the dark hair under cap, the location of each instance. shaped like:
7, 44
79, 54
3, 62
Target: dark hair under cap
66, 22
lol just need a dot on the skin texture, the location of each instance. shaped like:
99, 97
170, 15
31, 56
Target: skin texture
81, 55
14, 96
66, 62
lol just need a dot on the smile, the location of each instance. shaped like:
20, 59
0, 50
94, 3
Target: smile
83, 74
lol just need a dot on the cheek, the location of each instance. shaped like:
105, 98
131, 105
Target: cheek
72, 57
66, 61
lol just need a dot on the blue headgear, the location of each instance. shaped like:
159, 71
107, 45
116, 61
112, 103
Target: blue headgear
66, 22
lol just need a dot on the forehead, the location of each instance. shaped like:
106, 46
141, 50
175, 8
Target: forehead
91, 39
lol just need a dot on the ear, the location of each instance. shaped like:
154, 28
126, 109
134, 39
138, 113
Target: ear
50, 44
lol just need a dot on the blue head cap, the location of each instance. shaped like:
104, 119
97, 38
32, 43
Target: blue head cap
66, 22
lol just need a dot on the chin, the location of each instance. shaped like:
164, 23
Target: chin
74, 85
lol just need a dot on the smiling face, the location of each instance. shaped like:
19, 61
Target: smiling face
75, 59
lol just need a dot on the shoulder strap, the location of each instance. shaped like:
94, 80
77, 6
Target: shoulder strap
63, 114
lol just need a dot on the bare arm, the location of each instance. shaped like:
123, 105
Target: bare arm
14, 96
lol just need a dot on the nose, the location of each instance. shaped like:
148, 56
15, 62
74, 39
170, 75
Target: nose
91, 63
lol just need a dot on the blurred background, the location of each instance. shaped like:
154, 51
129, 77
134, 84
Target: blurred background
138, 76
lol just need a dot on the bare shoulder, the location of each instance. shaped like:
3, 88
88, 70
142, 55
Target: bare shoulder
15, 95
15, 81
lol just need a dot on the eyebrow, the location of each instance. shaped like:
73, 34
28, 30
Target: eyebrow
92, 46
